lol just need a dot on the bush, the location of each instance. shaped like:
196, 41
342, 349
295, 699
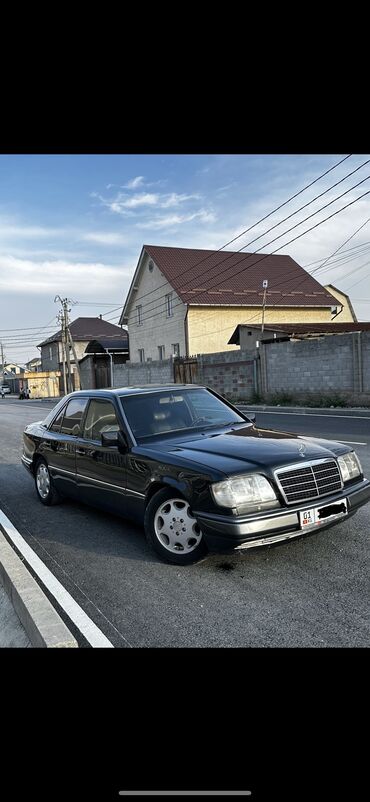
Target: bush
280, 399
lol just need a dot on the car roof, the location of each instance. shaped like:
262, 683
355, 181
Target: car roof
150, 388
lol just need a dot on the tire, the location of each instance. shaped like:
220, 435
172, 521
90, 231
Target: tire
45, 488
172, 531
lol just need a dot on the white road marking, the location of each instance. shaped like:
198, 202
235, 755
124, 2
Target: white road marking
309, 414
86, 626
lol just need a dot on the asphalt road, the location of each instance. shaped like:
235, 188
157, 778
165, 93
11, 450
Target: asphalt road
308, 592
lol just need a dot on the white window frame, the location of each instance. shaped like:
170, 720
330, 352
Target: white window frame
161, 353
141, 355
169, 308
176, 349
139, 314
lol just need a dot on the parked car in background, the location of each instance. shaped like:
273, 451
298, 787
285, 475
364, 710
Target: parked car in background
197, 472
4, 388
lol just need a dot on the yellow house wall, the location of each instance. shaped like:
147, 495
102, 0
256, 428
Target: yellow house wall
210, 328
345, 316
43, 385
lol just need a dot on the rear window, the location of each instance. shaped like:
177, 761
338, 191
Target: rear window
50, 417
73, 416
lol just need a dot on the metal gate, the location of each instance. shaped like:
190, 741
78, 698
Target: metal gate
102, 373
185, 370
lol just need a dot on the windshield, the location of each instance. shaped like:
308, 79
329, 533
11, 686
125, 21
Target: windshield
175, 410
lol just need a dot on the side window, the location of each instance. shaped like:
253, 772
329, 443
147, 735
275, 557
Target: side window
101, 417
55, 426
73, 416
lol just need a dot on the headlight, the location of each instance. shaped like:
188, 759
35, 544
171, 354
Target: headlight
238, 490
349, 465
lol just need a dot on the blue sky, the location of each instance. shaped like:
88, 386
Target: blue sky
74, 225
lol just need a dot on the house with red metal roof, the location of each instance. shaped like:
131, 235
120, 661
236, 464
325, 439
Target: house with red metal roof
95, 340
185, 301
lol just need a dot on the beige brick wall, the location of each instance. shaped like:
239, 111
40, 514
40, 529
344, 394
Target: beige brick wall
210, 328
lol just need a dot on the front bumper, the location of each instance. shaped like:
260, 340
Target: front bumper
223, 533
27, 463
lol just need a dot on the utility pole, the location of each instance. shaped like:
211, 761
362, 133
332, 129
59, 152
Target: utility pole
69, 335
2, 360
68, 386
60, 319
264, 286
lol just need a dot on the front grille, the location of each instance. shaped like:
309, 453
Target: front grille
309, 481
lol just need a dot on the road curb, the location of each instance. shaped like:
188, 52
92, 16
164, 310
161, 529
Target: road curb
40, 620
342, 411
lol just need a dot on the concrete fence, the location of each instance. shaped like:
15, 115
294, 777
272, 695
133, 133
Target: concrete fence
336, 364
138, 373
231, 373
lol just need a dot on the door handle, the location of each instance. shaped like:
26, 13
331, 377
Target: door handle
86, 452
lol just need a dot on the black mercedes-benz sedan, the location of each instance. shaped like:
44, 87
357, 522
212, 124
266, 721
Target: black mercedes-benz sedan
192, 468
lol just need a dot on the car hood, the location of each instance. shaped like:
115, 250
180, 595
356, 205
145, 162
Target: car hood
248, 447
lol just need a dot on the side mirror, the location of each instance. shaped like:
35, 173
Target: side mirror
251, 416
109, 439
115, 440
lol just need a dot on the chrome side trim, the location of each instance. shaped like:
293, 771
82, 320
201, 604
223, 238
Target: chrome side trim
126, 490
26, 460
61, 470
99, 482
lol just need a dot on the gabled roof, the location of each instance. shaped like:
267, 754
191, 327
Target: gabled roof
234, 279
330, 287
108, 344
301, 328
90, 328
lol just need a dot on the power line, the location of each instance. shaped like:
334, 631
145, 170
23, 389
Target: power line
341, 246
265, 245
260, 221
293, 214
29, 329
265, 256
347, 250
357, 282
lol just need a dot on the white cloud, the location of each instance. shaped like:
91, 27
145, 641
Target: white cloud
105, 238
123, 203
178, 219
13, 230
134, 183
94, 279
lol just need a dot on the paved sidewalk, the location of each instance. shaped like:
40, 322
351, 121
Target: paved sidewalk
12, 633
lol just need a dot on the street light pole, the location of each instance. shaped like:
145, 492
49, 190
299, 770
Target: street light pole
264, 286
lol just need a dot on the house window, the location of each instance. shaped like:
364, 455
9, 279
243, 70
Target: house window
141, 355
161, 352
169, 310
176, 349
139, 311
50, 352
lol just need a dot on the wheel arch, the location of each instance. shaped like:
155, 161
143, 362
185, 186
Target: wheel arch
166, 483
35, 460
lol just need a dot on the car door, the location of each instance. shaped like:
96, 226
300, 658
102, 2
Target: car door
59, 447
101, 470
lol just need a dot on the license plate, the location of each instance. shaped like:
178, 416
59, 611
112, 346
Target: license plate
319, 515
